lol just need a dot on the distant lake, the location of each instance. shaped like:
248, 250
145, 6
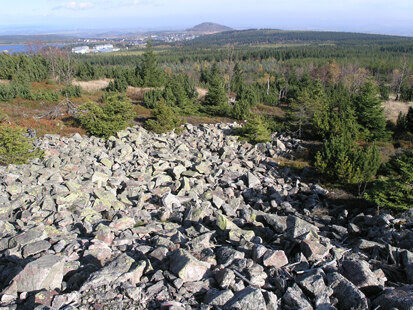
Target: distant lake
20, 48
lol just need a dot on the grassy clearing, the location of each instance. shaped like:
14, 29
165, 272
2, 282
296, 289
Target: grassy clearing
261, 108
392, 109
92, 86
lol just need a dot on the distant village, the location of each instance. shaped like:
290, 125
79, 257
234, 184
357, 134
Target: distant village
104, 48
139, 41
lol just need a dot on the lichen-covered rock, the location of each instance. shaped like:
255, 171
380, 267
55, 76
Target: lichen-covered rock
43, 273
247, 299
187, 267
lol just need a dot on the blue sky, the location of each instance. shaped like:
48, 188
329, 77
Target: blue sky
377, 16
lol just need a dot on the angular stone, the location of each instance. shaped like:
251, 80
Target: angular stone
253, 181
226, 255
297, 227
27, 237
216, 297
187, 267
170, 200
247, 299
123, 223
313, 250
359, 273
256, 275
400, 298
295, 299
110, 274
203, 168
100, 178
348, 295
43, 273
278, 223
276, 259
36, 247
225, 278
100, 251
312, 283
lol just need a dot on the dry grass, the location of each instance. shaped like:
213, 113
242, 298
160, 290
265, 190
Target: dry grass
268, 110
6, 82
392, 109
137, 93
92, 86
202, 92
196, 120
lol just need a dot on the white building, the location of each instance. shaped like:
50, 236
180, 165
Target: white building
99, 48
80, 49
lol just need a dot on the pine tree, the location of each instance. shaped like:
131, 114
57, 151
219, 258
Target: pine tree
164, 119
393, 188
237, 82
370, 113
343, 161
15, 147
216, 99
150, 73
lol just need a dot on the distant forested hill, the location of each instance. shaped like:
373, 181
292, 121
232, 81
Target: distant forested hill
258, 37
209, 27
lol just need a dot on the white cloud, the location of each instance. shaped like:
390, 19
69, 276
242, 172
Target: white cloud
73, 5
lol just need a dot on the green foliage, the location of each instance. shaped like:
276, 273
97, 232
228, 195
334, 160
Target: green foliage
336, 116
72, 91
342, 161
178, 93
370, 113
409, 120
164, 119
15, 148
406, 93
401, 125
106, 120
15, 89
150, 74
385, 91
240, 110
216, 101
254, 131
237, 81
119, 84
151, 97
310, 99
393, 189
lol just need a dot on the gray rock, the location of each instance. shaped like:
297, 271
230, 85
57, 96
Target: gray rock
116, 272
36, 247
247, 299
253, 181
278, 223
312, 283
297, 227
216, 297
348, 295
400, 298
275, 259
187, 267
43, 273
359, 273
294, 298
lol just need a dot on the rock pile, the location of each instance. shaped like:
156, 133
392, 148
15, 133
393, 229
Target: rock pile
191, 221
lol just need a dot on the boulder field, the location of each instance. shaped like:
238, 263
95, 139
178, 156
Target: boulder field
197, 220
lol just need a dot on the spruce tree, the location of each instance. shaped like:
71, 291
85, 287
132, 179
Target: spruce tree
237, 82
150, 73
370, 113
216, 99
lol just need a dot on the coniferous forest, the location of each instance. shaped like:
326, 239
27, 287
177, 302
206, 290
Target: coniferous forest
348, 96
